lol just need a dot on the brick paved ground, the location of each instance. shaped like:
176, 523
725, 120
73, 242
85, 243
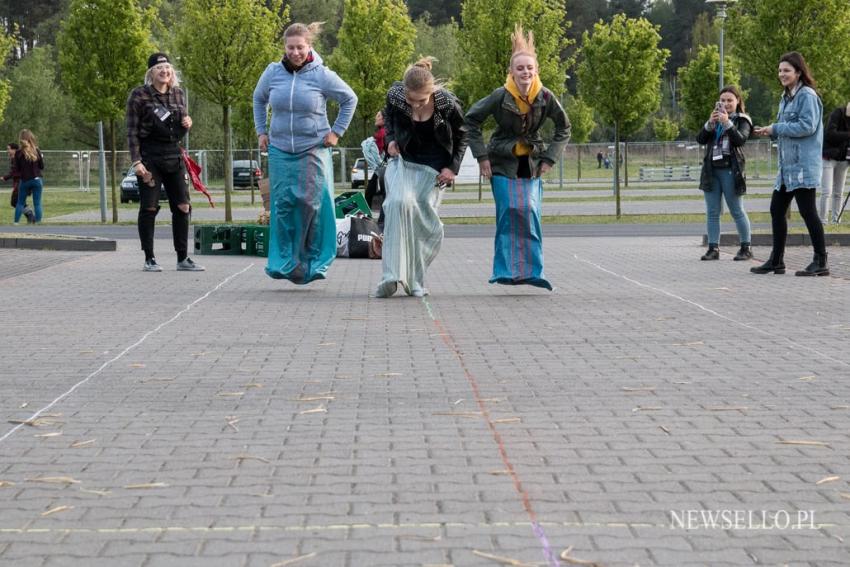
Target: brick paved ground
224, 418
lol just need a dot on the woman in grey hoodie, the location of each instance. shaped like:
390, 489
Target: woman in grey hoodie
302, 241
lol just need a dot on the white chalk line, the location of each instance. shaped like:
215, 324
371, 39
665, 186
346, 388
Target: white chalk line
713, 312
124, 352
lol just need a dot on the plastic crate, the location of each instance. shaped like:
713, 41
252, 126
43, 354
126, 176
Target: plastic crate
256, 238
351, 203
218, 239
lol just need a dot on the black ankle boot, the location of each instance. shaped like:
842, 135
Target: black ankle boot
774, 264
818, 267
745, 253
712, 254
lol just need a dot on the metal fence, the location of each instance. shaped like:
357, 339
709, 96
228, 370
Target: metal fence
79, 169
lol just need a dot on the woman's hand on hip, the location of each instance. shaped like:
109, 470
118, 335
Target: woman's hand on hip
392, 149
331, 139
484, 169
446, 176
263, 141
543, 168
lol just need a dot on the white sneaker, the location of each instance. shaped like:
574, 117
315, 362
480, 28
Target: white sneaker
151, 266
187, 265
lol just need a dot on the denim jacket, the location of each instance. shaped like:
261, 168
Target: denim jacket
799, 131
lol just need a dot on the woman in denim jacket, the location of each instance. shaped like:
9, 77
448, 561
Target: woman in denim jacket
799, 132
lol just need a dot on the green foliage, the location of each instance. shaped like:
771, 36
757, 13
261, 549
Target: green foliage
441, 41
103, 48
7, 42
581, 119
485, 41
665, 129
224, 45
762, 30
620, 71
37, 102
327, 11
698, 84
375, 46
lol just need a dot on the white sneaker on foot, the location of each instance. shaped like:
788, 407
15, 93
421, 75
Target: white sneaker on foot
187, 265
151, 266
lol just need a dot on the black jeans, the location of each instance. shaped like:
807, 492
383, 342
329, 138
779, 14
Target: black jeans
169, 172
807, 205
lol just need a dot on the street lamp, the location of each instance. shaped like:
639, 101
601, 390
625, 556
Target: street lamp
721, 15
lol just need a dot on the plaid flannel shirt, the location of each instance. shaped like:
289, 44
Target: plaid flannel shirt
140, 98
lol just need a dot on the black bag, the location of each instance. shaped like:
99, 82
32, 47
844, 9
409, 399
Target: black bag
363, 230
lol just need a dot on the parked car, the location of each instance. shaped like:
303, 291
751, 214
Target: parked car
358, 173
246, 172
130, 188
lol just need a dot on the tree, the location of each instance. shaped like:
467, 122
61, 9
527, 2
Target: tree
224, 46
485, 41
439, 11
582, 124
762, 30
375, 45
7, 42
665, 129
620, 71
27, 17
698, 84
440, 40
103, 46
36, 101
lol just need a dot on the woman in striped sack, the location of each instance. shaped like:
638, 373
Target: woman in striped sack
426, 136
302, 239
515, 159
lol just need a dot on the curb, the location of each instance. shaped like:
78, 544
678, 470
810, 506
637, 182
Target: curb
58, 242
731, 239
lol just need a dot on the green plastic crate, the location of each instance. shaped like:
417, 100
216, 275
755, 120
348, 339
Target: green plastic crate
350, 203
218, 239
256, 237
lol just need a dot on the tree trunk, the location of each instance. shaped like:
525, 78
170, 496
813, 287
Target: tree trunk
617, 166
626, 162
113, 166
228, 163
578, 163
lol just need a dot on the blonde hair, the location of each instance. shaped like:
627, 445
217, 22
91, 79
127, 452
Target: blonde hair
418, 77
174, 82
307, 31
522, 43
29, 145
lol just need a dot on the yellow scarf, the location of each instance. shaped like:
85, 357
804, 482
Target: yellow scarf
524, 105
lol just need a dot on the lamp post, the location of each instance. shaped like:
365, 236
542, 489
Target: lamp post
721, 6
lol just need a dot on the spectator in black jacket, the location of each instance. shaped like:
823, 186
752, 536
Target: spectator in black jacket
836, 158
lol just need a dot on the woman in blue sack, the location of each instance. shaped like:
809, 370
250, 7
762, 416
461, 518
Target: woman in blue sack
515, 159
426, 139
302, 239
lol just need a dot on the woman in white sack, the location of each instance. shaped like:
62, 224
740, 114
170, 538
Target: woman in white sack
426, 138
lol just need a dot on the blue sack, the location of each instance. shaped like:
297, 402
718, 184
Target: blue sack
518, 255
302, 236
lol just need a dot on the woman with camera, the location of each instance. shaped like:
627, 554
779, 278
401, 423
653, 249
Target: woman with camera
723, 175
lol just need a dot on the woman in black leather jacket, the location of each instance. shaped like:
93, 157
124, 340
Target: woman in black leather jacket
836, 157
723, 174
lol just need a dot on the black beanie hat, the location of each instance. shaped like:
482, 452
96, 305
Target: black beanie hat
157, 58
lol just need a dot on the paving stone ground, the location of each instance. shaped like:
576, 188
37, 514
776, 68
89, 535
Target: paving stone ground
224, 418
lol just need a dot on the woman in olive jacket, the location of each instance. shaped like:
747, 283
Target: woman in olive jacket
515, 159
723, 175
